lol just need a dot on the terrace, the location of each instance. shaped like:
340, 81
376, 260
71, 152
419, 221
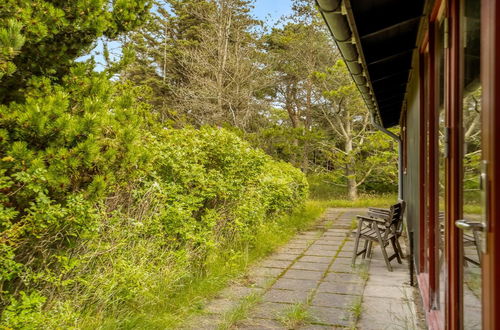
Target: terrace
310, 283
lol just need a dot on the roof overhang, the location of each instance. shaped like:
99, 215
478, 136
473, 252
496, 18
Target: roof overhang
377, 39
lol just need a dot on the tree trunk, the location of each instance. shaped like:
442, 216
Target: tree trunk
352, 187
307, 126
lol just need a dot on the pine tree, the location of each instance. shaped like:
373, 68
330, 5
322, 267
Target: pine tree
202, 60
69, 136
54, 33
295, 52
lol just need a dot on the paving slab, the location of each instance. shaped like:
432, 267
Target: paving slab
260, 324
323, 247
220, 305
342, 288
269, 310
283, 256
206, 322
324, 260
395, 314
315, 266
239, 292
265, 272
319, 253
272, 263
342, 268
324, 299
303, 274
345, 254
343, 278
331, 316
260, 281
317, 327
384, 291
343, 261
314, 269
321, 244
285, 296
293, 251
294, 284
298, 245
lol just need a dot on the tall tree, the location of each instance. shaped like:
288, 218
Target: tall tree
223, 70
203, 62
296, 51
356, 150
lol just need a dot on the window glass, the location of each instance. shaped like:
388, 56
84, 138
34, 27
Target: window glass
471, 121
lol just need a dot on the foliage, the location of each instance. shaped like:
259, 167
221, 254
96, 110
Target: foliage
284, 89
11, 40
202, 62
53, 34
295, 52
209, 190
115, 213
357, 151
102, 208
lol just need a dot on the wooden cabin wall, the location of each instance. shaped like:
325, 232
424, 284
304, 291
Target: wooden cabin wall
412, 176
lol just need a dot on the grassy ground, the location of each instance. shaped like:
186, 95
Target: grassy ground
170, 310
366, 201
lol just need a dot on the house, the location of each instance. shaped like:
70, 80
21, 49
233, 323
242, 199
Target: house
433, 68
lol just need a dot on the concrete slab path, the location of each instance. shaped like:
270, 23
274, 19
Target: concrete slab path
310, 284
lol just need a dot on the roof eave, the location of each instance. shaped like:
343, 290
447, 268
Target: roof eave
339, 19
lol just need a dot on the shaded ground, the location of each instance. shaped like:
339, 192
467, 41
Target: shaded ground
310, 284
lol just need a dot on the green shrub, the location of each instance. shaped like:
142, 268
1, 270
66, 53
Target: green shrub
102, 209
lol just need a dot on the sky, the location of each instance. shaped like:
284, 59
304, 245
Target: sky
269, 11
272, 10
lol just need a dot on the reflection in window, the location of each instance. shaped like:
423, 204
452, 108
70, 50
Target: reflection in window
471, 121
441, 157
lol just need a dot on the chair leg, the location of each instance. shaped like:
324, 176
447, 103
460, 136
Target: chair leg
365, 249
356, 244
384, 252
396, 250
370, 251
400, 249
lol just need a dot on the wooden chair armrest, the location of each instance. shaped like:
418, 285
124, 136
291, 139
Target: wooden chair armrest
379, 209
378, 220
380, 215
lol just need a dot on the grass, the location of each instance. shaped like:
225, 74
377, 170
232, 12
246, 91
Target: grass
270, 237
356, 309
365, 201
239, 312
473, 208
173, 306
363, 271
295, 316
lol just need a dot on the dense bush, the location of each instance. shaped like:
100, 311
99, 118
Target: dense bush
101, 205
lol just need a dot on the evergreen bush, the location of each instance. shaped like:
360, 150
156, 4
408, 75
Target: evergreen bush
101, 205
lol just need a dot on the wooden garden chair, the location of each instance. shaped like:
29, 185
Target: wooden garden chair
383, 227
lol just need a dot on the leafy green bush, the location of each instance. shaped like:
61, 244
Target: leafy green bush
104, 211
101, 206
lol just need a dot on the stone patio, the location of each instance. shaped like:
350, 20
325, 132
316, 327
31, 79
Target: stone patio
310, 284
